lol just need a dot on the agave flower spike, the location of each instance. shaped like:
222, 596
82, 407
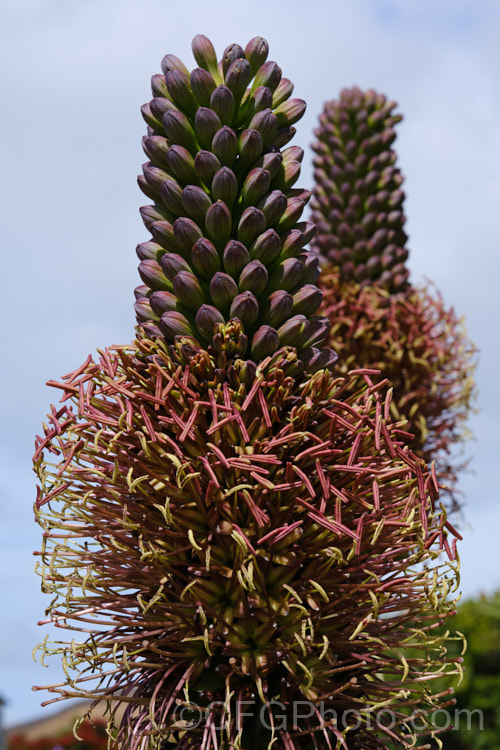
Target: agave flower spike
379, 319
239, 544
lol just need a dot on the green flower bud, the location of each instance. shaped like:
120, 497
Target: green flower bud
278, 307
186, 233
290, 112
195, 202
256, 53
225, 146
225, 186
162, 301
206, 166
204, 54
202, 85
250, 145
288, 175
163, 233
174, 324
295, 331
171, 195
149, 250
256, 186
222, 103
273, 206
172, 263
235, 257
159, 85
246, 308
282, 92
181, 164
179, 89
218, 223
307, 300
266, 247
269, 74
206, 124
205, 258
179, 131
151, 273
188, 290
253, 278
223, 290
291, 215
207, 318
265, 342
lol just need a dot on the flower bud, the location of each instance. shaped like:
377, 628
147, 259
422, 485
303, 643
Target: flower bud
293, 153
186, 233
287, 275
231, 53
292, 243
269, 74
206, 165
250, 145
270, 162
204, 53
151, 273
256, 186
278, 307
153, 122
283, 136
288, 175
273, 206
179, 131
179, 89
266, 123
246, 308
256, 53
141, 291
207, 318
235, 257
149, 250
308, 229
295, 331
181, 164
253, 278
291, 215
159, 86
172, 62
155, 177
218, 223
160, 106
310, 265
225, 146
260, 99
266, 247
264, 343
162, 301
290, 112
171, 195
150, 214
320, 328
206, 124
252, 223
282, 92
188, 290
202, 85
151, 330
163, 233
172, 263
155, 147
225, 186
150, 192
222, 103
205, 258
196, 202
318, 359
173, 324
223, 290
143, 310
307, 300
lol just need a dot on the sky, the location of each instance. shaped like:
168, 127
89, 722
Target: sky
73, 76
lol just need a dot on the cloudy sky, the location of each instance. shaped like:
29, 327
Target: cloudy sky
73, 75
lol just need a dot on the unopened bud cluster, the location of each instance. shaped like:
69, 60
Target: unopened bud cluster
357, 200
227, 242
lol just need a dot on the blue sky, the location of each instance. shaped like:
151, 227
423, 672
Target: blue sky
73, 75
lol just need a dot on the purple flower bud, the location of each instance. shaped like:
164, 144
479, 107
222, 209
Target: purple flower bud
195, 202
283, 136
282, 92
252, 223
318, 359
188, 290
278, 307
152, 275
225, 146
149, 250
256, 53
150, 214
289, 174
158, 85
238, 76
186, 233
253, 278
151, 330
246, 308
266, 247
178, 130
256, 186
205, 258
264, 343
206, 165
141, 291
266, 123
163, 233
174, 324
202, 85
273, 206
181, 164
223, 290
204, 53
250, 145
171, 62
308, 229
160, 106
295, 331
293, 153
143, 311
287, 275
235, 257
171, 195
310, 264
290, 112
320, 328
225, 186
155, 147
307, 300
155, 177
222, 102
153, 122
269, 74
271, 162
206, 124
292, 243
179, 89
291, 215
231, 53
172, 263
218, 223
162, 301
260, 99
206, 318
